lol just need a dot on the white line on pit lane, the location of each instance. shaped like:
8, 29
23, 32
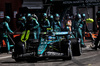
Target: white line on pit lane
5, 57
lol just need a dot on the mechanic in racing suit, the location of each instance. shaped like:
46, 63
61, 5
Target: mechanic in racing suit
78, 29
37, 28
57, 24
68, 23
22, 23
44, 24
19, 23
68, 26
51, 19
98, 37
84, 26
32, 25
4, 35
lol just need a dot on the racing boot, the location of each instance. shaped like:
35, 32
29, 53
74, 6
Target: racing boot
9, 52
95, 47
83, 45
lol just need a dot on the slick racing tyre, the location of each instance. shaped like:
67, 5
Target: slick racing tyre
76, 47
20, 48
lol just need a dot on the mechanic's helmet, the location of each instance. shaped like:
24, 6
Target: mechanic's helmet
34, 16
19, 16
45, 15
57, 17
78, 16
51, 16
29, 15
7, 18
83, 16
24, 18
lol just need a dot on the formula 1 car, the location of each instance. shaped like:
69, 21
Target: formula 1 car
50, 45
55, 45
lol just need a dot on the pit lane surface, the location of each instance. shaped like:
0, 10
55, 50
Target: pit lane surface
89, 57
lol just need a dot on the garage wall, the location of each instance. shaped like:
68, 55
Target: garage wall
15, 5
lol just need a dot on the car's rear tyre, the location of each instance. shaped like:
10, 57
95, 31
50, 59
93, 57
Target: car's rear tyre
76, 47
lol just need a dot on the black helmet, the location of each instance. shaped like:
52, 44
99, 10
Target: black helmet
45, 15
7, 18
78, 16
57, 16
83, 15
23, 18
29, 15
51, 16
